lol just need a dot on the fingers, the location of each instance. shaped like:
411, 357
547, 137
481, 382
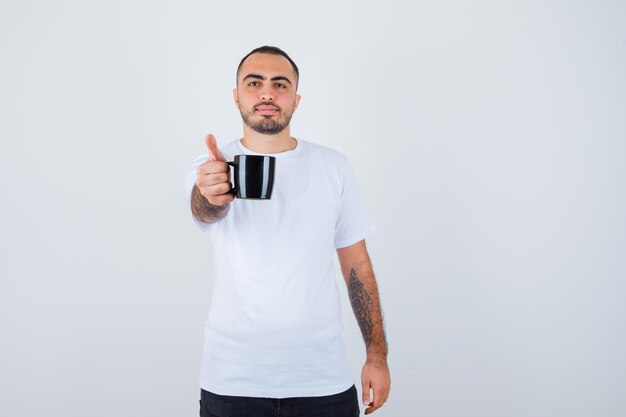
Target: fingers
216, 178
213, 181
211, 167
221, 200
217, 194
373, 406
379, 397
214, 153
365, 385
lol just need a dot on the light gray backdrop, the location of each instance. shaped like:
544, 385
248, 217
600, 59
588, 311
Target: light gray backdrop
487, 136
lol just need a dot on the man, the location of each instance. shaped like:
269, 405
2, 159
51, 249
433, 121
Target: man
273, 343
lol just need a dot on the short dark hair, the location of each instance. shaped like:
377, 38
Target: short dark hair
269, 50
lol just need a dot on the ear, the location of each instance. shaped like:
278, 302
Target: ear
297, 102
235, 97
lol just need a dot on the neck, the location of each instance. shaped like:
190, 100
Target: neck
262, 143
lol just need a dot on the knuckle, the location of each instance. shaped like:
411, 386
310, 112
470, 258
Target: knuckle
211, 180
219, 166
223, 187
213, 190
202, 184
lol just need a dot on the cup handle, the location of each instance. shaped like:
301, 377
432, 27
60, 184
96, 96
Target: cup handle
232, 188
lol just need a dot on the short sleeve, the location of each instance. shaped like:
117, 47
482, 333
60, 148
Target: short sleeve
354, 221
190, 181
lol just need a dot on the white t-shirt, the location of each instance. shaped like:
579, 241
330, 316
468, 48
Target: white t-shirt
274, 327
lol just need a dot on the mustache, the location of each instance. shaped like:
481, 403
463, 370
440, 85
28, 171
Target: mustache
266, 104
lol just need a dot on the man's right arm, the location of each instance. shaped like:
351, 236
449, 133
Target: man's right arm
205, 211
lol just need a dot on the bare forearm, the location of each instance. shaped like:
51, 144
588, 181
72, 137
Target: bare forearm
205, 211
363, 293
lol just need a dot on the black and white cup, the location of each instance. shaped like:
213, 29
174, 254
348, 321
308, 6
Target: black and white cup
253, 176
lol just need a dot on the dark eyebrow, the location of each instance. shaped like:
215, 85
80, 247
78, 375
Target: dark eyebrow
260, 77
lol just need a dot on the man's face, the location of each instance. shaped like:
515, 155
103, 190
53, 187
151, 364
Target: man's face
266, 93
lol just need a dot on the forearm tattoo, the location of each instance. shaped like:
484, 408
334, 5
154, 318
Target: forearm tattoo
363, 305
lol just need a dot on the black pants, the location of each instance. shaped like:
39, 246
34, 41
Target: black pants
344, 404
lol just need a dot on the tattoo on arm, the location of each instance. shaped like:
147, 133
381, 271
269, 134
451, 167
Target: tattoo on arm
363, 305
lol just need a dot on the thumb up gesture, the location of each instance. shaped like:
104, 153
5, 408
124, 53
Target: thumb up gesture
213, 176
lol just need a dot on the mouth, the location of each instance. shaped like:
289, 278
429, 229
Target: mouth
266, 109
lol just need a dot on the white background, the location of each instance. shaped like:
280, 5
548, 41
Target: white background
487, 136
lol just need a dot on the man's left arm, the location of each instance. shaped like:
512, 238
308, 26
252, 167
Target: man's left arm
358, 273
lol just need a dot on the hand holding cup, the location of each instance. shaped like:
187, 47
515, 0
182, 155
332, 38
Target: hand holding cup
213, 176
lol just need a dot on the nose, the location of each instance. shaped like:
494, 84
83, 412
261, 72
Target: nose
267, 94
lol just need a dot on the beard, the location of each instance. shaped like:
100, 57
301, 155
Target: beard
266, 124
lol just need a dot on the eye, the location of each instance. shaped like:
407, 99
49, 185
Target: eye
253, 82
281, 84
